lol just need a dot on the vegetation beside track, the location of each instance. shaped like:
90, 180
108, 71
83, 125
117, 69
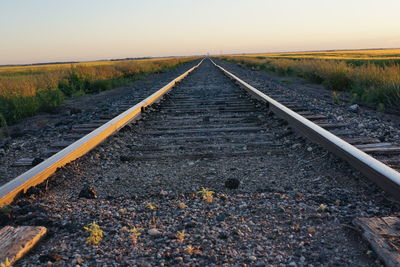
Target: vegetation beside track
371, 76
26, 89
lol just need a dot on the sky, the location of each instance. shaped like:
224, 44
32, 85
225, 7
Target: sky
34, 31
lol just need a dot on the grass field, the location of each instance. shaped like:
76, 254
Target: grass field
25, 89
370, 76
385, 56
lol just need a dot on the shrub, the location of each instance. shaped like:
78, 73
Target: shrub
50, 97
17, 107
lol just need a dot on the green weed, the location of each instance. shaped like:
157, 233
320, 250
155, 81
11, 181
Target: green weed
180, 236
336, 97
7, 263
135, 232
207, 195
95, 234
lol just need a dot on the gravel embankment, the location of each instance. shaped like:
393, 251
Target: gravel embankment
294, 205
368, 122
32, 137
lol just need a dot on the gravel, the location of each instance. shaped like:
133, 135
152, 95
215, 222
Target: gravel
32, 136
367, 121
293, 207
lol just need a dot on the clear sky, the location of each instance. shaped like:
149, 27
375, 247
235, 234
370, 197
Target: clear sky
63, 30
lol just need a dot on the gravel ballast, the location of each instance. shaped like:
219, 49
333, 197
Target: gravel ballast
31, 137
293, 205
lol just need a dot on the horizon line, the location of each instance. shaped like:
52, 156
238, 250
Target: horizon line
174, 56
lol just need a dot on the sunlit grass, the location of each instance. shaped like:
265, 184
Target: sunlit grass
27, 80
24, 89
371, 83
379, 54
51, 67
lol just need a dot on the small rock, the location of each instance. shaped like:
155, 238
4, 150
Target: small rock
253, 258
179, 259
309, 149
296, 145
154, 232
354, 108
232, 183
163, 193
88, 192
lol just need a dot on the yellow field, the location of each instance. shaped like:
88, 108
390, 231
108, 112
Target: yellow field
26, 80
378, 54
51, 67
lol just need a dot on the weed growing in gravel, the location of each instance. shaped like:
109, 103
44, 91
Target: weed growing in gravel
354, 98
335, 97
380, 108
6, 210
192, 250
3, 124
151, 206
95, 234
296, 227
180, 236
153, 222
6, 263
207, 195
322, 207
285, 81
189, 249
135, 233
123, 211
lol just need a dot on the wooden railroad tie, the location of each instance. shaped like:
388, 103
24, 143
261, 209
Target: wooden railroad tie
15, 242
383, 234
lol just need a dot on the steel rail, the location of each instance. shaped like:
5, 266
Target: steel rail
45, 169
387, 178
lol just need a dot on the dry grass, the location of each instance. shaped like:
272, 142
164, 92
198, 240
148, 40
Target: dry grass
378, 54
27, 80
377, 84
24, 89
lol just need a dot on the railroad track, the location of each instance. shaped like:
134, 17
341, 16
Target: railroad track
205, 119
346, 144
